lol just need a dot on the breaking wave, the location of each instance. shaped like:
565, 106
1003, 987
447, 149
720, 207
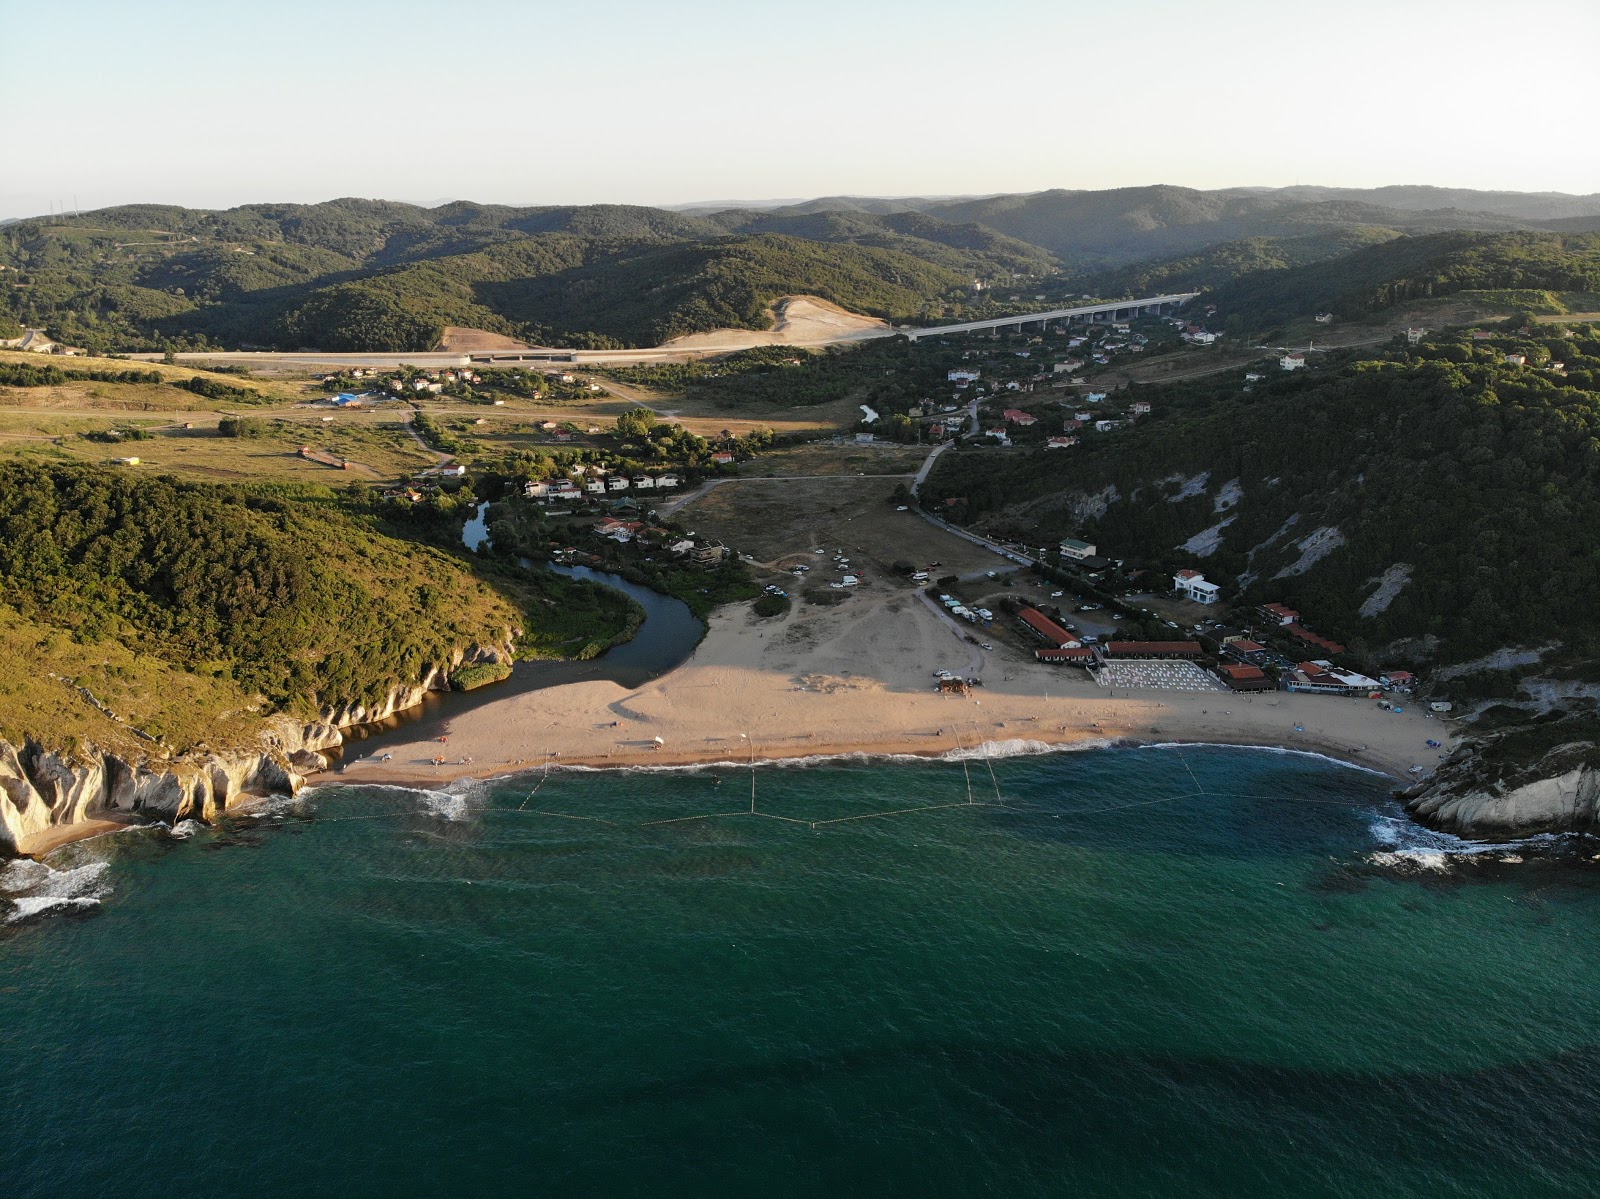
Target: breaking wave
34, 889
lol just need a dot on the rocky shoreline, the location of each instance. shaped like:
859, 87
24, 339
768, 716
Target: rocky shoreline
45, 792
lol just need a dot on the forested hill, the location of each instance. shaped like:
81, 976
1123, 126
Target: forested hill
374, 275
1435, 504
196, 603
1536, 265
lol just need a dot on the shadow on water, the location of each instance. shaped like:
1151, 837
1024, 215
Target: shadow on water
665, 640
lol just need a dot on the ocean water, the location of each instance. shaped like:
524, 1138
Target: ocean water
1138, 972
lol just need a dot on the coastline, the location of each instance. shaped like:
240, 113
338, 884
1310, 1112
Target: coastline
826, 684
855, 682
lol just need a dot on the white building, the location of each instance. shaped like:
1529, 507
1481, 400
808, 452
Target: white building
1071, 547
1192, 585
1292, 362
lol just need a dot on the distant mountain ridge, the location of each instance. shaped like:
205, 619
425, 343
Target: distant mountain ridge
378, 274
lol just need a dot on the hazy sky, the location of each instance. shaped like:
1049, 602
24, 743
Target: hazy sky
210, 104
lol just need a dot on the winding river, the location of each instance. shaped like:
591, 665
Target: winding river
666, 639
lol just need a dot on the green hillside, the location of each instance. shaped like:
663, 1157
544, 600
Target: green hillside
289, 598
1215, 266
1412, 268
1098, 230
1474, 482
373, 275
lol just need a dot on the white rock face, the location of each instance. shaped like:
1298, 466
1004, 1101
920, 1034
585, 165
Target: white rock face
40, 789
1567, 802
1314, 547
1205, 543
1390, 585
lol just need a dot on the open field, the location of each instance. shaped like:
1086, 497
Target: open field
783, 521
829, 458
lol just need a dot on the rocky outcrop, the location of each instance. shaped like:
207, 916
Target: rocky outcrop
1559, 794
41, 789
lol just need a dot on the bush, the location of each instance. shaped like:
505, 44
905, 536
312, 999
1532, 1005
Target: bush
470, 677
771, 605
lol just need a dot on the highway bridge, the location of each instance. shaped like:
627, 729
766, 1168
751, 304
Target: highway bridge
1115, 310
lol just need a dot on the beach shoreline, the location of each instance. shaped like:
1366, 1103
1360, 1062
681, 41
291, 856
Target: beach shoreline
824, 684
856, 683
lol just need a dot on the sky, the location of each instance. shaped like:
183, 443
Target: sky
532, 102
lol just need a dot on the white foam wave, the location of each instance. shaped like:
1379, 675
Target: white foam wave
36, 888
1409, 845
1265, 749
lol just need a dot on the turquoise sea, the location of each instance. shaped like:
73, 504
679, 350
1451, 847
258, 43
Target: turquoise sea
1144, 972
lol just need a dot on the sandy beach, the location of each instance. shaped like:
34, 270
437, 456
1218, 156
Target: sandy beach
859, 679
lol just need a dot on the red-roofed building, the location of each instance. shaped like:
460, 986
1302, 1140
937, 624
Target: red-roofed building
1153, 649
1016, 416
1042, 627
1281, 614
1398, 678
1245, 678
1310, 638
1081, 656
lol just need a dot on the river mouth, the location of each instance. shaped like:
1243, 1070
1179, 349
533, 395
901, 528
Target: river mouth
663, 642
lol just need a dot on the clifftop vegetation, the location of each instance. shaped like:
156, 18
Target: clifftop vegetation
289, 598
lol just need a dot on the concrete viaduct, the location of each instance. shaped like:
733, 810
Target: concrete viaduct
1116, 310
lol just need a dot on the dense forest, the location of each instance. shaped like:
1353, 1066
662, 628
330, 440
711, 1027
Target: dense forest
1434, 502
298, 595
371, 275
1529, 266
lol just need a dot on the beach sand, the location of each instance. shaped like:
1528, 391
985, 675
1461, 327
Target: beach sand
859, 679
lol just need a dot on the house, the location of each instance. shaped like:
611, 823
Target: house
1071, 426
1095, 397
536, 490
666, 481
999, 433
565, 489
1284, 616
1140, 408
1293, 362
617, 484
1516, 360
1062, 656
961, 377
1042, 627
722, 458
1244, 677
708, 556
1253, 377
1017, 416
1323, 318
1482, 335
1060, 443
595, 487
1202, 338
643, 483
1153, 649
936, 431
1316, 639
680, 547
1398, 678
1193, 585
1071, 547
1105, 426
